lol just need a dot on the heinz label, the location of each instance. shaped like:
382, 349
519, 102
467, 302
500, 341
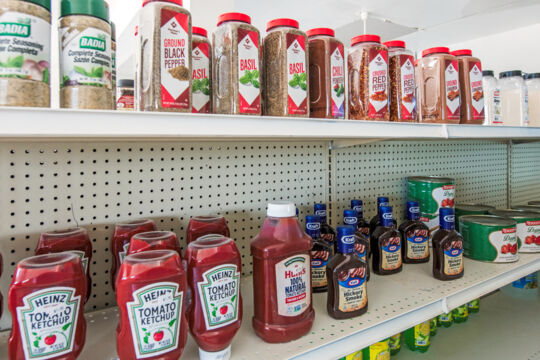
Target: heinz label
408, 86
337, 80
293, 283
378, 83
477, 90
297, 74
352, 289
200, 55
249, 76
451, 76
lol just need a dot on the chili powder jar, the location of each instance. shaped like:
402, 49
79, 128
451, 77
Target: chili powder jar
471, 87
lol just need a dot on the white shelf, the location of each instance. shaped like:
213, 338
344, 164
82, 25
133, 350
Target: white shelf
76, 125
396, 302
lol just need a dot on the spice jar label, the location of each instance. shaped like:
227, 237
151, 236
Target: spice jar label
337, 80
451, 76
352, 289
378, 83
249, 77
293, 285
296, 74
477, 90
408, 109
125, 102
24, 46
175, 73
201, 82
86, 57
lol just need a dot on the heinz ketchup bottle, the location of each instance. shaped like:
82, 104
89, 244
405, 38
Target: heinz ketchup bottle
282, 276
204, 225
154, 240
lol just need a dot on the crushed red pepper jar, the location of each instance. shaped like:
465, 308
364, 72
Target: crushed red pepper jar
471, 88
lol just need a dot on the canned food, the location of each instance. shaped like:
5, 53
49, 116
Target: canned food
535, 203
471, 209
489, 238
528, 228
531, 208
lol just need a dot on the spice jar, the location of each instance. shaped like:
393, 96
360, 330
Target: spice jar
200, 60
113, 56
25, 40
402, 82
492, 98
286, 80
470, 86
326, 75
533, 93
85, 55
513, 98
164, 65
125, 95
368, 78
440, 86
418, 80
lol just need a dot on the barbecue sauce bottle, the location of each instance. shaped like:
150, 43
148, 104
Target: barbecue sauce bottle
375, 221
361, 245
320, 254
363, 225
415, 235
447, 248
327, 232
386, 245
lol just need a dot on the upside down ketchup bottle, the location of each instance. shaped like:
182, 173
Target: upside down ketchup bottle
214, 266
204, 225
282, 276
154, 240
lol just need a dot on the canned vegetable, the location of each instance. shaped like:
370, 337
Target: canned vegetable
471, 209
528, 228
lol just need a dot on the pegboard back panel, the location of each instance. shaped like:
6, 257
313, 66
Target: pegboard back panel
524, 173
47, 186
370, 170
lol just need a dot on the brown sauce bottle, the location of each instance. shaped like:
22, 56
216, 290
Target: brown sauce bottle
415, 235
327, 232
386, 245
361, 244
447, 248
321, 252
375, 221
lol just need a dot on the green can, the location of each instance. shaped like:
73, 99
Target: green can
532, 208
528, 228
489, 238
471, 209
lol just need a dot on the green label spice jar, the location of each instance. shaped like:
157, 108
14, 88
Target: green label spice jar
202, 69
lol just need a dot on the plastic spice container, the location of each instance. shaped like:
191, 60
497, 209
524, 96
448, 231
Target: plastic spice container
85, 55
368, 78
164, 65
326, 75
471, 88
492, 99
125, 95
286, 59
24, 70
513, 98
113, 56
440, 86
200, 60
418, 80
236, 66
402, 82
533, 92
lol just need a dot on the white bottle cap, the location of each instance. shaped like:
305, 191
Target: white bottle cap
281, 209
224, 354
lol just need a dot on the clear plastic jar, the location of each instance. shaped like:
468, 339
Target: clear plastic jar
113, 56
418, 77
286, 59
201, 87
368, 78
513, 98
402, 82
471, 89
125, 95
326, 74
533, 92
236, 66
492, 98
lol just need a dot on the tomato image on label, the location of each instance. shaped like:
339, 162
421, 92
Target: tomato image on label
505, 242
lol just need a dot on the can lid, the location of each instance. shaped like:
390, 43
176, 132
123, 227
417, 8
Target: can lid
395, 43
473, 207
43, 3
432, 179
435, 50
488, 73
282, 22
199, 31
533, 76
281, 209
177, 2
510, 73
461, 52
321, 31
234, 16
365, 38
126, 83
514, 213
96, 8
487, 220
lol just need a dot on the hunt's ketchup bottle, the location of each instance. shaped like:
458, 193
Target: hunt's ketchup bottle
282, 276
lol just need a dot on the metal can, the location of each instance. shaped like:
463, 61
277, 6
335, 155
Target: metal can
489, 238
528, 228
530, 208
471, 209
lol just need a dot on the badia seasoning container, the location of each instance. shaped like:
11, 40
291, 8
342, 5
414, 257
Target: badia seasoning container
236, 66
368, 78
527, 228
25, 40
402, 82
201, 86
471, 88
286, 60
164, 62
326, 74
440, 86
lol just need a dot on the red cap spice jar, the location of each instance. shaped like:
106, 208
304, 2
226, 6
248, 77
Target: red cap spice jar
202, 81
326, 74
286, 80
439, 86
368, 78
402, 82
471, 88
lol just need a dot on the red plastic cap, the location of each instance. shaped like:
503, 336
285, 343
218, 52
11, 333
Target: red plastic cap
440, 49
365, 38
320, 31
199, 31
177, 2
282, 22
395, 43
462, 52
233, 16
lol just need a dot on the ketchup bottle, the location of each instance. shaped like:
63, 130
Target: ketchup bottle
363, 225
46, 300
120, 241
282, 276
361, 244
203, 225
154, 240
214, 266
150, 292
75, 240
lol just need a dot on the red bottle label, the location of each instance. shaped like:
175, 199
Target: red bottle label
297, 74
293, 283
125, 102
477, 90
249, 76
451, 78
337, 80
408, 86
200, 55
378, 84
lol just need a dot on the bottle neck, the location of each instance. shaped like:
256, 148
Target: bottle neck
314, 234
413, 216
386, 219
322, 215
